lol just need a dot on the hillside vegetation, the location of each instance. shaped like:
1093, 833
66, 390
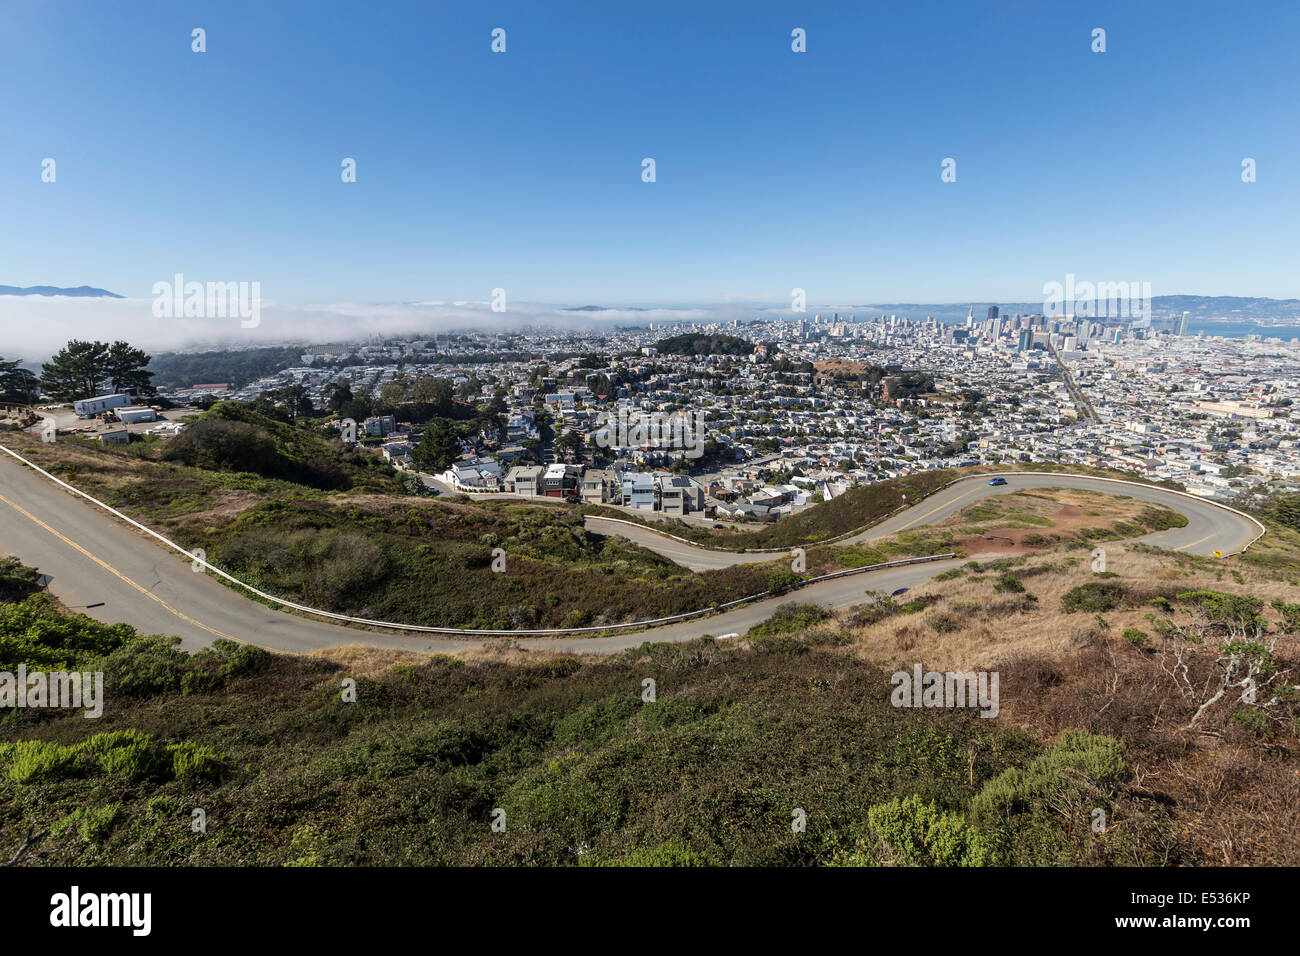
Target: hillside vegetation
740, 739
286, 509
698, 343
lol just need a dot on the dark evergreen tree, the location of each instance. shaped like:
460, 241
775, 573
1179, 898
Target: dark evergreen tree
17, 384
125, 366
78, 370
437, 450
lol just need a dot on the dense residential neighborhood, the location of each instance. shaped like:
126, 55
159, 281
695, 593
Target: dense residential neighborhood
796, 410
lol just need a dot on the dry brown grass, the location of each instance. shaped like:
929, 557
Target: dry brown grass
366, 661
1231, 792
362, 660
992, 629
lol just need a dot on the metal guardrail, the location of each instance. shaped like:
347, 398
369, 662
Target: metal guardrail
467, 632
471, 632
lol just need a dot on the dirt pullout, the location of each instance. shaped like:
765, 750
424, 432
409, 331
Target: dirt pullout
1066, 519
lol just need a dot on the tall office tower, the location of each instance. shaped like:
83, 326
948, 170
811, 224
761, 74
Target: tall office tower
970, 316
1026, 341
997, 327
1117, 336
993, 312
1182, 325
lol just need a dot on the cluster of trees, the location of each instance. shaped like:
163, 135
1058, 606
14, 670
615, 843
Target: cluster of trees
419, 399
694, 343
237, 368
79, 370
437, 450
84, 369
294, 403
258, 446
908, 384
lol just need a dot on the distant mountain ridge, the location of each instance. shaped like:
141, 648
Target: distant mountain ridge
84, 291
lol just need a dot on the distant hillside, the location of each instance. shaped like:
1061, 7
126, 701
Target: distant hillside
83, 291
237, 368
696, 343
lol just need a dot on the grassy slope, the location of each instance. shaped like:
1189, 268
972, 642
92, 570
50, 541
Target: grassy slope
374, 552
739, 736
371, 551
855, 510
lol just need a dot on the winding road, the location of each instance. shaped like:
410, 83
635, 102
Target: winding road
98, 564
1209, 527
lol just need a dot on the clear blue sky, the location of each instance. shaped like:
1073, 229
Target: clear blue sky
775, 169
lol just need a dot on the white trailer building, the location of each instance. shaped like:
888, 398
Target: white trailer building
90, 407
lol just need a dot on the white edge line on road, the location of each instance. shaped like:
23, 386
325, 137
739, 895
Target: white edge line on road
454, 630
429, 629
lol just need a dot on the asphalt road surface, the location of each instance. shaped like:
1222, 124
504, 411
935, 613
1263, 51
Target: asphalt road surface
1208, 527
115, 573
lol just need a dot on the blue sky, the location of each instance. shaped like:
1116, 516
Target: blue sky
523, 170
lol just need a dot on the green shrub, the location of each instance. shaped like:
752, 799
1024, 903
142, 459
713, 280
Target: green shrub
34, 633
37, 761
214, 666
778, 644
190, 762
944, 622
145, 668
226, 446
1078, 765
912, 832
16, 580
668, 854
578, 617
1093, 597
794, 616
91, 823
1253, 720
130, 754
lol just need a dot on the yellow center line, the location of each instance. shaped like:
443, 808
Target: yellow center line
1194, 543
940, 508
107, 567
